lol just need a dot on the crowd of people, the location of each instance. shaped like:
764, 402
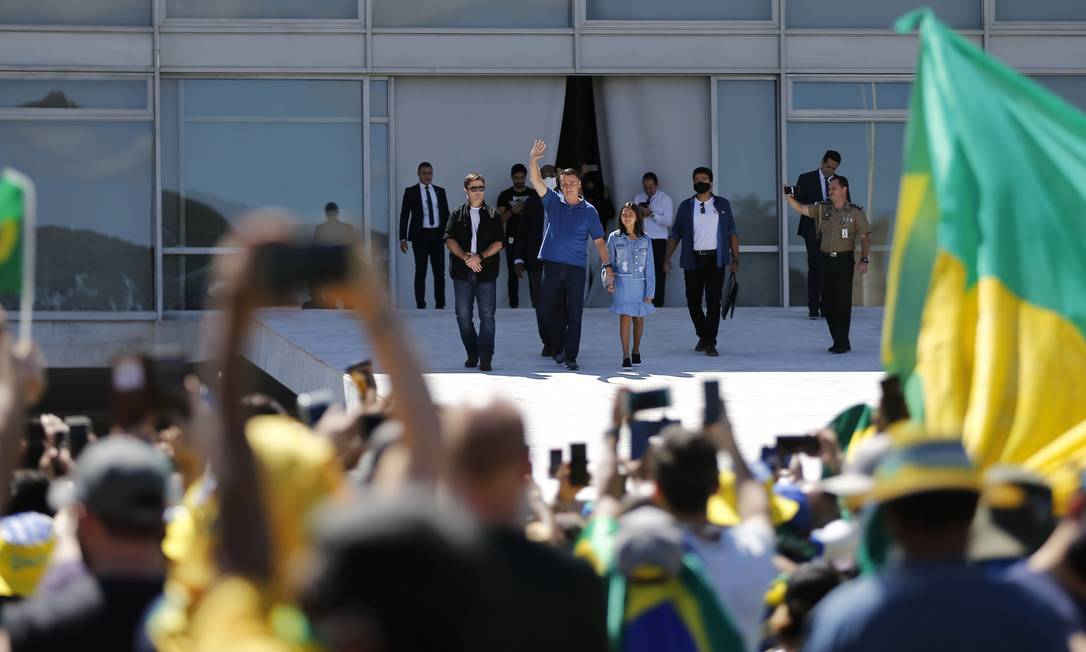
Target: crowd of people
208, 518
546, 221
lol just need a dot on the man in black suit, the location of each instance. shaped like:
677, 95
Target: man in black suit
526, 246
424, 214
813, 188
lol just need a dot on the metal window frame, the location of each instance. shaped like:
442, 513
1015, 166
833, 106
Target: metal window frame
118, 113
682, 26
894, 115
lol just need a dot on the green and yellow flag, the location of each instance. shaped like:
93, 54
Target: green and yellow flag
11, 234
986, 300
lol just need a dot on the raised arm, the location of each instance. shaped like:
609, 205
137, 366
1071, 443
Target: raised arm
802, 209
534, 177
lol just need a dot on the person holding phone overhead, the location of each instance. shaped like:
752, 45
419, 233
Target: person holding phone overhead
634, 282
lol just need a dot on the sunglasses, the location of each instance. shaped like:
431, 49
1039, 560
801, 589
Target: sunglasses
703, 207
477, 189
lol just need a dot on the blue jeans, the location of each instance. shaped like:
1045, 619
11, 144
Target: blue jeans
563, 302
468, 293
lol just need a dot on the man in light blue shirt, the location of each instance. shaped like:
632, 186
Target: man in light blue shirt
569, 223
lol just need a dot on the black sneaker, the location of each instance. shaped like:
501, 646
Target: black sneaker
571, 365
711, 351
626, 364
472, 361
636, 359
560, 358
484, 365
700, 347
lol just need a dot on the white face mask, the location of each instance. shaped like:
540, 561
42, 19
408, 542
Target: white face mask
551, 182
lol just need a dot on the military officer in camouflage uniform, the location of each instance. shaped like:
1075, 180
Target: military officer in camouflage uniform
840, 225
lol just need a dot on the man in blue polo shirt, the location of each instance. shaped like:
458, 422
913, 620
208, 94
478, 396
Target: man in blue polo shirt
705, 226
568, 223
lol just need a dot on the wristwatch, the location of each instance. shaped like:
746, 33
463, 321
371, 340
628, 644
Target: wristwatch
864, 260
609, 265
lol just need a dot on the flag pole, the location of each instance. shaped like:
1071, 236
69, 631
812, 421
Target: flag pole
26, 299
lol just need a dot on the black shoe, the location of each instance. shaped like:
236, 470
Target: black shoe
560, 358
812, 315
441, 307
700, 347
838, 349
571, 365
547, 352
626, 364
421, 306
472, 361
484, 365
636, 359
711, 351
514, 305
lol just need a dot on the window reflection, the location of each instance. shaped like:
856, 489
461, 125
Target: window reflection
95, 215
679, 10
327, 9
472, 13
831, 14
73, 94
1040, 10
1070, 87
83, 12
747, 155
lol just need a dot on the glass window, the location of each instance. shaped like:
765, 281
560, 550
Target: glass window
871, 157
747, 156
472, 13
379, 98
185, 282
95, 213
380, 208
1070, 87
83, 12
73, 94
856, 96
215, 169
1040, 10
679, 10
326, 9
759, 279
840, 14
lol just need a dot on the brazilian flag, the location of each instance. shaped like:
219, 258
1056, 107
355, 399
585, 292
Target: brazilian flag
11, 233
986, 298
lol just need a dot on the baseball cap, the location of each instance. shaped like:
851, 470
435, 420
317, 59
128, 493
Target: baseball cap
723, 506
1014, 518
119, 478
922, 467
26, 542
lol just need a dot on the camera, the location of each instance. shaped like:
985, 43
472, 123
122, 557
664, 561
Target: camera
790, 190
648, 400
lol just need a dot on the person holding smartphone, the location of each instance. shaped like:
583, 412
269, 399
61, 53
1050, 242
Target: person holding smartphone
635, 280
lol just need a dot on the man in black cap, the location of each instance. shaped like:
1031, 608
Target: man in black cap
117, 498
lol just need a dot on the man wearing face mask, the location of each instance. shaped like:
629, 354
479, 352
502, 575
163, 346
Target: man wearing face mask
1056, 574
705, 226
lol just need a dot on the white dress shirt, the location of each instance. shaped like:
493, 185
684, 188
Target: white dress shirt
426, 217
705, 225
658, 225
474, 230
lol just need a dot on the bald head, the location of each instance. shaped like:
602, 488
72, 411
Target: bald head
487, 460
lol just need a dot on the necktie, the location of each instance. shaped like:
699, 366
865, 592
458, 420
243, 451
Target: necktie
825, 189
432, 221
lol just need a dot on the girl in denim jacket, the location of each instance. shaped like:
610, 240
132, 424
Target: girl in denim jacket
635, 280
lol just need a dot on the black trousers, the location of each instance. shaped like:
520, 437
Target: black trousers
430, 246
704, 281
563, 302
659, 250
513, 281
814, 272
534, 270
837, 272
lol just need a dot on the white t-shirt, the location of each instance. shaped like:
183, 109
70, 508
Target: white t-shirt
663, 214
740, 565
705, 225
474, 230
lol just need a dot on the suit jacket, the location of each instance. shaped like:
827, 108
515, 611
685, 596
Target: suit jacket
529, 237
808, 191
490, 231
411, 214
683, 231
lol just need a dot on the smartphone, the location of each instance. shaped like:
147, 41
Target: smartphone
578, 465
79, 430
648, 400
713, 410
791, 444
555, 462
313, 405
287, 268
790, 190
361, 374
